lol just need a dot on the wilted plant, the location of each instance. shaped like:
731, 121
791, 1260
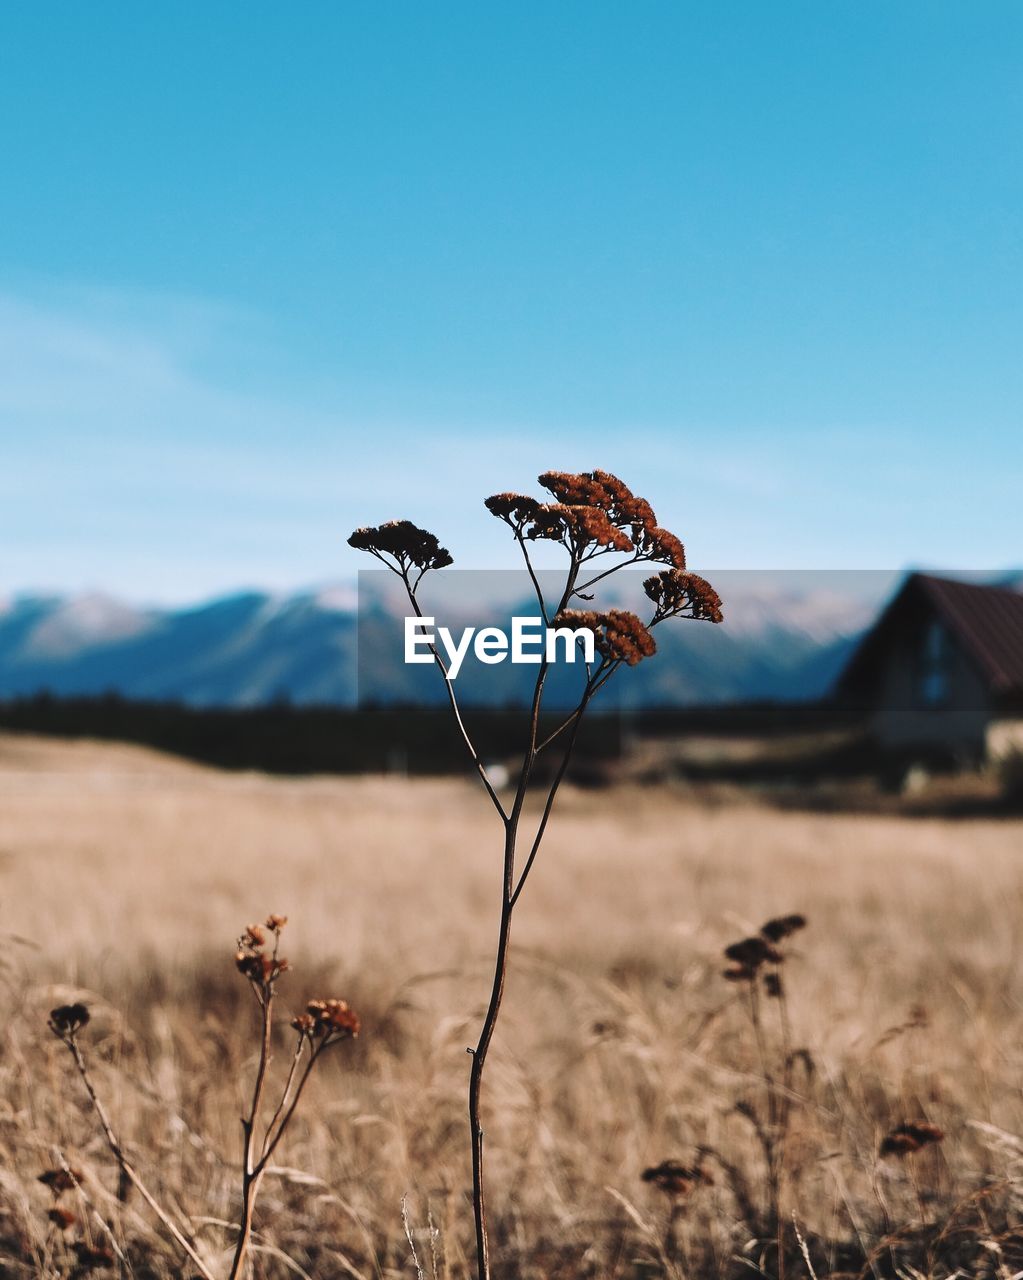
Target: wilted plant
594, 516
755, 964
677, 1181
324, 1023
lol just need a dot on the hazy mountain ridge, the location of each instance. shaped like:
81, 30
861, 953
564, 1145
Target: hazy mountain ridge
253, 647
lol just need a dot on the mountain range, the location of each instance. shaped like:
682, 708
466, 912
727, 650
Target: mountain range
785, 637
252, 648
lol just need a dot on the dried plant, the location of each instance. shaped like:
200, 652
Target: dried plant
594, 516
323, 1024
755, 964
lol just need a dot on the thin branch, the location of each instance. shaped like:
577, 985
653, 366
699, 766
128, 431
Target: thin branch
284, 1096
551, 796
532, 576
470, 746
126, 1168
286, 1120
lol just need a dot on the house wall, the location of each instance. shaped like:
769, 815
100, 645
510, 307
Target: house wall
903, 720
1005, 738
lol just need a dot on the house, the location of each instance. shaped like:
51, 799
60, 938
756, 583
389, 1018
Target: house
940, 674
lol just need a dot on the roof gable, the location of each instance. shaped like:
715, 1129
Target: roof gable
987, 622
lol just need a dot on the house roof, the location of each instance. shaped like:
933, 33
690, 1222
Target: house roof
986, 621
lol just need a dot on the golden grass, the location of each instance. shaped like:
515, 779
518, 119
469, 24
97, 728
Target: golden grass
125, 877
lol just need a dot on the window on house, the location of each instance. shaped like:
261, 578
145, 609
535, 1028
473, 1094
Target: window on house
934, 662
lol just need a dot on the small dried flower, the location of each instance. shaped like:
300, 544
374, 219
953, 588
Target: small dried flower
619, 636
63, 1219
334, 1019
68, 1019
740, 973
405, 542
626, 639
514, 508
751, 953
577, 527
904, 1139
677, 1179
305, 1024
604, 490
61, 1180
677, 593
782, 927
276, 923
92, 1257
660, 544
253, 937
259, 967
625, 507
576, 490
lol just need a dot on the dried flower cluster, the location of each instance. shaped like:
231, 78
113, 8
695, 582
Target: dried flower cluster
593, 511
67, 1020
618, 636
905, 1139
592, 514
676, 1179
92, 1257
63, 1219
750, 955
677, 593
407, 544
327, 1020
261, 967
57, 1181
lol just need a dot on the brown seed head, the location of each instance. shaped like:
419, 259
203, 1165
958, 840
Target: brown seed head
660, 544
739, 973
276, 923
260, 968
67, 1020
92, 1257
577, 527
61, 1180
253, 936
62, 1218
513, 508
676, 593
751, 953
904, 1139
677, 1179
773, 985
405, 542
334, 1019
619, 636
576, 490
625, 507
782, 927
626, 638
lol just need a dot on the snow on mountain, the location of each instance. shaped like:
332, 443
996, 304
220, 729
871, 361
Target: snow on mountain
83, 622
253, 647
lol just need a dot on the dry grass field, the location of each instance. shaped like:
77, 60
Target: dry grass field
126, 876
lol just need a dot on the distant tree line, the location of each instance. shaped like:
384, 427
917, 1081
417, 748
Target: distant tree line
281, 737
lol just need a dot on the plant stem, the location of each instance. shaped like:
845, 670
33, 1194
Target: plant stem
479, 1054
126, 1168
252, 1172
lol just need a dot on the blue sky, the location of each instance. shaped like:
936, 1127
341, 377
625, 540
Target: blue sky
270, 272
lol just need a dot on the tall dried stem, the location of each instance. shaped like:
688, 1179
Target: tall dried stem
594, 515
